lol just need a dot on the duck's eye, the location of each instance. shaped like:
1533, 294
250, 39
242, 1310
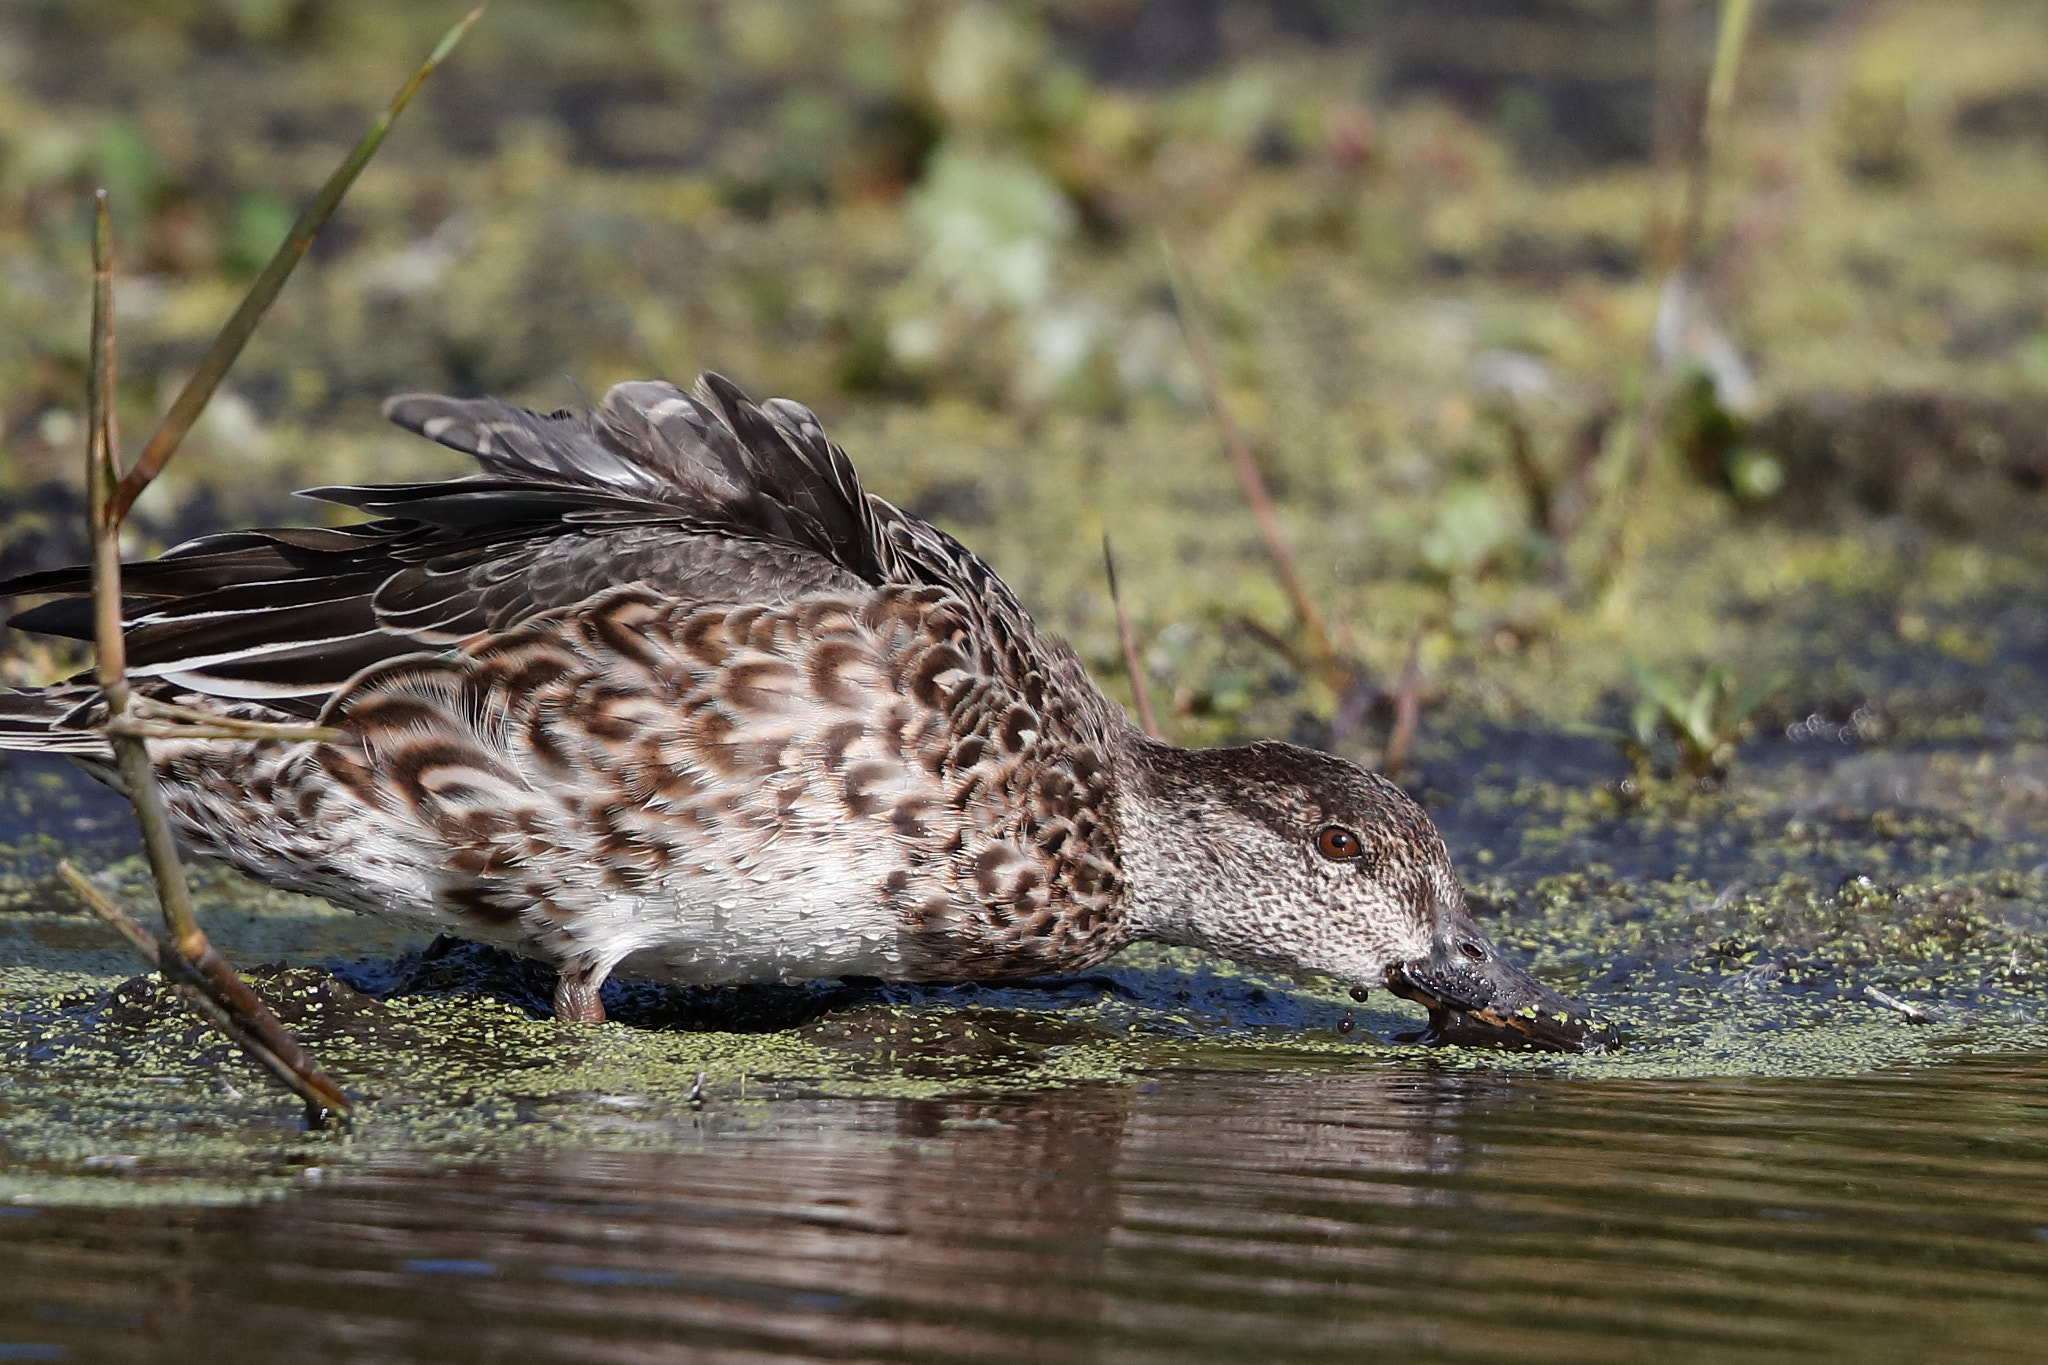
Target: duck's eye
1338, 843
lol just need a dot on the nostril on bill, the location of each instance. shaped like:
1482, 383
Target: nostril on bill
1472, 951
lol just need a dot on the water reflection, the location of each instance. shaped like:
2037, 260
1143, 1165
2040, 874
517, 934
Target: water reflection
1202, 1216
959, 1228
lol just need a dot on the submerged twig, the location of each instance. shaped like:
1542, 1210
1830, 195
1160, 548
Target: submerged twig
138, 937
192, 987
1140, 693
1321, 654
1914, 1014
1673, 245
227, 346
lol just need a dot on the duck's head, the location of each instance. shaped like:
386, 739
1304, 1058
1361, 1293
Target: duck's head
1295, 861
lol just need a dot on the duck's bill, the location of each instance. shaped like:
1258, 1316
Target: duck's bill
1489, 1002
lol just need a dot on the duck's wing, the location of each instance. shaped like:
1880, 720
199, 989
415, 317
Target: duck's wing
702, 497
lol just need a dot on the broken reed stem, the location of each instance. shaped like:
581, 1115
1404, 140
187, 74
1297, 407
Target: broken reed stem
189, 723
1672, 252
185, 956
193, 989
1914, 1014
1315, 631
227, 346
1139, 692
1407, 711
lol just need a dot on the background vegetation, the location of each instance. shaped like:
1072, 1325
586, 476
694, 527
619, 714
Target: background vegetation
1421, 231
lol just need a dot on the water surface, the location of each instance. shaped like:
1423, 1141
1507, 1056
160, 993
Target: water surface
1197, 1216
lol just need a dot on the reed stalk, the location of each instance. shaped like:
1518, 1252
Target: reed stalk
183, 954
227, 346
1316, 648
1407, 712
189, 962
1140, 693
1674, 244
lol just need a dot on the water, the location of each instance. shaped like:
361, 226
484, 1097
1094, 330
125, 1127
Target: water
1205, 1216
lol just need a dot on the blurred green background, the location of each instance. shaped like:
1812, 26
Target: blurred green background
1422, 230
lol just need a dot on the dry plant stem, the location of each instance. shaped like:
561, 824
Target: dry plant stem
1732, 37
1667, 123
185, 722
160, 720
1673, 253
1322, 654
1529, 471
1139, 692
1914, 1014
102, 470
248, 732
1407, 710
138, 938
1269, 640
227, 346
110, 647
193, 990
186, 957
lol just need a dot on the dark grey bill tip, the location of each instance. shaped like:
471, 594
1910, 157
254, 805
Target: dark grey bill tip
1476, 997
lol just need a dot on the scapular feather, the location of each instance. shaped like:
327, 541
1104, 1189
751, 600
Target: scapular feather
702, 496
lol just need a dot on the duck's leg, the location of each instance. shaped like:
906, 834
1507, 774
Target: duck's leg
576, 998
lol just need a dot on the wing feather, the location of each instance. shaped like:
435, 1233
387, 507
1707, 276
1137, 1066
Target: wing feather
705, 496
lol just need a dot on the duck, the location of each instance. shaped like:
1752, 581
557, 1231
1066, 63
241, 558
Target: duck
660, 691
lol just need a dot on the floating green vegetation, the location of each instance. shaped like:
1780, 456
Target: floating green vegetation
114, 1093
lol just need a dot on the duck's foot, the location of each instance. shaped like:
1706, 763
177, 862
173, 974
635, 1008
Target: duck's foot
576, 996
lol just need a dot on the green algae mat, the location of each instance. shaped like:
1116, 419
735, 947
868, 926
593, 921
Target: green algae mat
1164, 1161
1165, 1164
1833, 914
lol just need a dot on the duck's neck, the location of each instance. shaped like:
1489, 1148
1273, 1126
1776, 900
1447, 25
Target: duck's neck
1184, 865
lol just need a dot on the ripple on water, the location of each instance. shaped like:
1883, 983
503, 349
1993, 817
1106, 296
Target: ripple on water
1199, 1216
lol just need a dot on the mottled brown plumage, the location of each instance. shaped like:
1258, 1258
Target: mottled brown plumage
663, 690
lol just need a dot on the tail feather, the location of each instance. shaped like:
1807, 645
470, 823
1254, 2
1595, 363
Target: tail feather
54, 720
705, 496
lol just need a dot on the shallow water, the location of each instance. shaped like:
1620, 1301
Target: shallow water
1192, 1216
